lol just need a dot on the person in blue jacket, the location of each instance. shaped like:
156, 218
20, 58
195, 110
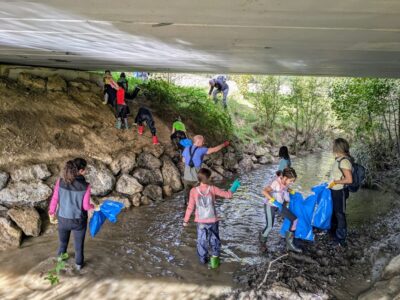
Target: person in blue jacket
219, 85
285, 161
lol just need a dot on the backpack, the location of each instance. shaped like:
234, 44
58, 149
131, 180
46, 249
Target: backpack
357, 172
191, 163
205, 205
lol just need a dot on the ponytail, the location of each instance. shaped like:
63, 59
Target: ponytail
70, 172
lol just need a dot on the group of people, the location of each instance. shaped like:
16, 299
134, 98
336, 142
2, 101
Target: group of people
116, 95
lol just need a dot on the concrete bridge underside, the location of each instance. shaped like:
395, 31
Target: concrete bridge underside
304, 37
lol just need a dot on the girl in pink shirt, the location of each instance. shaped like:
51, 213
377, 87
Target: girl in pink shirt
202, 200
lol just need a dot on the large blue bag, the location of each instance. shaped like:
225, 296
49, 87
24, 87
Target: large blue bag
314, 211
108, 210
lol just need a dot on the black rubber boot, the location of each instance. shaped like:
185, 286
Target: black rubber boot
290, 246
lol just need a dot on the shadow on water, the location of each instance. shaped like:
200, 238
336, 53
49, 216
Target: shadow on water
147, 254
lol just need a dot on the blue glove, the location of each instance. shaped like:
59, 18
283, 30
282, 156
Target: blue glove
277, 204
235, 185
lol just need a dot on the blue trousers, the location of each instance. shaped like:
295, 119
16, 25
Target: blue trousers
78, 227
208, 235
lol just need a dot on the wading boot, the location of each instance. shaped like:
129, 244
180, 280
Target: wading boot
214, 262
290, 246
126, 123
140, 129
118, 123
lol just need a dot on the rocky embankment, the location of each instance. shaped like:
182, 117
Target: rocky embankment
139, 176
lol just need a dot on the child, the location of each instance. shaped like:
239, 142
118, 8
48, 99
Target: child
277, 193
123, 81
144, 115
202, 198
122, 108
178, 133
110, 88
72, 197
285, 161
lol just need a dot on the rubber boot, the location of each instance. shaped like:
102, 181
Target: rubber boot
140, 129
155, 140
126, 123
118, 123
290, 246
214, 262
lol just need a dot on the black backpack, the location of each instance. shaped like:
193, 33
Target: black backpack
357, 172
191, 163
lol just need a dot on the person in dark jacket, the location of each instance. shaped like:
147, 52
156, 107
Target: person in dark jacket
144, 115
219, 85
71, 203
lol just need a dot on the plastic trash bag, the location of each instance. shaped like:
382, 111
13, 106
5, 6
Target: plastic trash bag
108, 210
186, 142
323, 208
96, 222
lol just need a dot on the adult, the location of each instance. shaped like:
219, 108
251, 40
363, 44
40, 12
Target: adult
219, 85
144, 115
71, 202
110, 89
341, 176
193, 157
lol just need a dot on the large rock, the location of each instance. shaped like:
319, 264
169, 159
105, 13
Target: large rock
3, 179
230, 162
261, 151
156, 150
56, 83
393, 268
32, 82
10, 236
33, 194
124, 200
27, 218
249, 148
31, 173
215, 159
246, 164
154, 192
124, 163
144, 200
128, 185
148, 161
267, 159
101, 179
145, 176
171, 175
135, 199
3, 211
167, 191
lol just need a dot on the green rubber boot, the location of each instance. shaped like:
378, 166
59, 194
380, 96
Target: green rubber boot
214, 262
118, 123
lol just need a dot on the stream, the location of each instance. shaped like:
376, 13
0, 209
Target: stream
148, 254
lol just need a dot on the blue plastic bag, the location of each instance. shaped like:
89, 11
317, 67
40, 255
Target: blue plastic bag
186, 142
108, 210
323, 208
96, 222
111, 209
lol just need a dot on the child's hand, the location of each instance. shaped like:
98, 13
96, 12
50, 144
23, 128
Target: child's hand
185, 224
53, 219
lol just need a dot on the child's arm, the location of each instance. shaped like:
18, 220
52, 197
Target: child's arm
221, 193
267, 193
190, 207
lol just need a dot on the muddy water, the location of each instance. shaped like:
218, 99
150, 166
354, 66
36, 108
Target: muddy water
147, 254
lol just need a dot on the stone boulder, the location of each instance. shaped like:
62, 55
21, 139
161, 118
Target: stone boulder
10, 235
144, 200
261, 151
101, 179
267, 159
230, 162
31, 173
135, 199
146, 177
3, 179
246, 164
124, 200
32, 82
82, 85
27, 218
171, 175
148, 161
124, 163
167, 191
33, 194
249, 148
215, 159
128, 185
56, 83
393, 268
254, 159
156, 150
3, 211
154, 192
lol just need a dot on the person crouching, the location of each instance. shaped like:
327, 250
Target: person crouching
144, 115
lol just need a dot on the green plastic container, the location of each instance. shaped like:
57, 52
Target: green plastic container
214, 262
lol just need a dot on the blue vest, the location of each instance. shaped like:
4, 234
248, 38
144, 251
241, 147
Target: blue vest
71, 198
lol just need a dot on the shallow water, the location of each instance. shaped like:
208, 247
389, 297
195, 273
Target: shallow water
147, 254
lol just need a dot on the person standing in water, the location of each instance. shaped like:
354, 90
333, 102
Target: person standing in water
341, 176
71, 203
277, 196
202, 200
285, 161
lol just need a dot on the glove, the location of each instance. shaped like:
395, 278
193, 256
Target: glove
291, 192
235, 185
331, 184
226, 143
96, 207
53, 219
